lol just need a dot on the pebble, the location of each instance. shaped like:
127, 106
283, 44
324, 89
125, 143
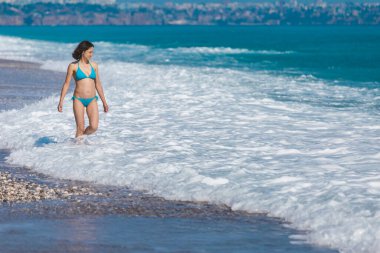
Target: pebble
16, 190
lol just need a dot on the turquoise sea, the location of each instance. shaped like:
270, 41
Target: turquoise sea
339, 53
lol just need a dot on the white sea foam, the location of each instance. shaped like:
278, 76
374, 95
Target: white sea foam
43, 51
224, 50
296, 148
15, 48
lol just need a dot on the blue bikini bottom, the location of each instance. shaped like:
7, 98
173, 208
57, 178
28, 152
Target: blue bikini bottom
85, 101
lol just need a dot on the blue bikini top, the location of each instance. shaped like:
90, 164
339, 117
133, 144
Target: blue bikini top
81, 75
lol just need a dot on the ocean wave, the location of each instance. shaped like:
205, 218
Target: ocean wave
224, 50
15, 48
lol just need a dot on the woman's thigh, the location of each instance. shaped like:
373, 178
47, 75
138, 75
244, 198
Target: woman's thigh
93, 113
78, 109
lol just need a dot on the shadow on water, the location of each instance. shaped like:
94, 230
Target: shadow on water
42, 141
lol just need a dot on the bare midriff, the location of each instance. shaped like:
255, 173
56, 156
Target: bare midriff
85, 88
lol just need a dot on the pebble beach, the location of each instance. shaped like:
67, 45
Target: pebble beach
13, 190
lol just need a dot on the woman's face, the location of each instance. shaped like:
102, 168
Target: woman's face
89, 52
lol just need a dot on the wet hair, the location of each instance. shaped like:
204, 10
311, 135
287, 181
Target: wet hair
82, 46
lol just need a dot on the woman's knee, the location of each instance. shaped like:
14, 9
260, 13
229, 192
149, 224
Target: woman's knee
94, 127
91, 129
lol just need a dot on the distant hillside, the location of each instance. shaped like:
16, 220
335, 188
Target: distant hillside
240, 1
191, 14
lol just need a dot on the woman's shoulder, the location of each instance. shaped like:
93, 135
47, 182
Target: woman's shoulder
73, 63
71, 66
94, 65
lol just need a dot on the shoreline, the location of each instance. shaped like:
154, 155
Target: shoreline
39, 187
24, 82
7, 63
135, 211
82, 197
34, 196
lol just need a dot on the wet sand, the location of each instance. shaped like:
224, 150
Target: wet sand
23, 83
6, 63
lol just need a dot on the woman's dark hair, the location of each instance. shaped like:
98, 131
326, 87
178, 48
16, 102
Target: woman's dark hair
82, 46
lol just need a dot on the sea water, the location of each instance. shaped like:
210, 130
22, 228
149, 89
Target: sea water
283, 120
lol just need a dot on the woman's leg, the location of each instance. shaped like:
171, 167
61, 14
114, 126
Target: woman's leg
78, 109
93, 117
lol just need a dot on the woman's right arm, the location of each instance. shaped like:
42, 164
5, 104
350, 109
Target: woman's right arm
65, 86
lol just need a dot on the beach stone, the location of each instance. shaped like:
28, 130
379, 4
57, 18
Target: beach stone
16, 190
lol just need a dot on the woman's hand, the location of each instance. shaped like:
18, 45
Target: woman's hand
59, 107
105, 106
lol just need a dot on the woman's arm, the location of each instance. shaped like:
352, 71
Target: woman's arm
99, 88
65, 86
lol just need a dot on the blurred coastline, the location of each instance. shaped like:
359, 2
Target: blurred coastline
257, 13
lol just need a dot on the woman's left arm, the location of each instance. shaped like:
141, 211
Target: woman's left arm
99, 88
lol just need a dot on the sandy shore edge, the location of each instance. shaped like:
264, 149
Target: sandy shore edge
6, 63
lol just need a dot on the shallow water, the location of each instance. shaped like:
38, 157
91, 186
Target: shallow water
149, 234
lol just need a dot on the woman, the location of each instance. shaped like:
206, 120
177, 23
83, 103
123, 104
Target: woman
86, 76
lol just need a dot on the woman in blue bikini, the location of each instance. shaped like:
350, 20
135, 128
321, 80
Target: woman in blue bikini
86, 76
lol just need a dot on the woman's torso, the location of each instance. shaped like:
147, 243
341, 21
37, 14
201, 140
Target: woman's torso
84, 82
